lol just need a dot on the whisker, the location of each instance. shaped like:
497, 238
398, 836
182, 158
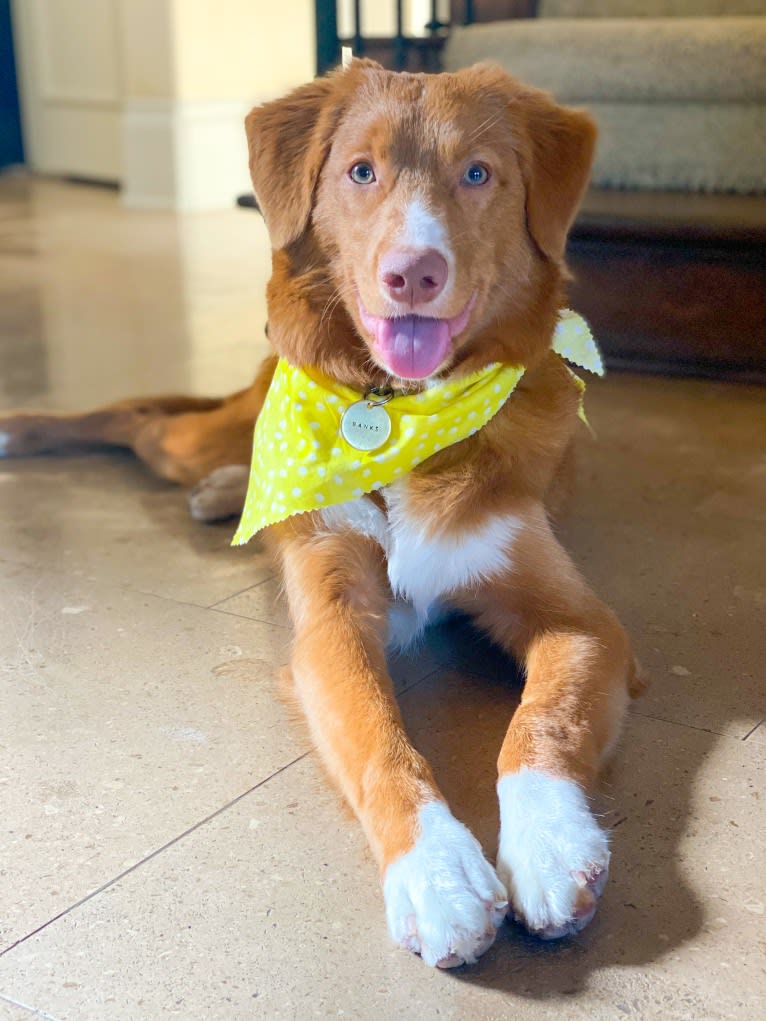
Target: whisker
484, 126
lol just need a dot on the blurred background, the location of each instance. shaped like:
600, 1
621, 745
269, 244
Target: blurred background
148, 96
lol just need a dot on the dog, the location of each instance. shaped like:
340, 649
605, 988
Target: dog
418, 225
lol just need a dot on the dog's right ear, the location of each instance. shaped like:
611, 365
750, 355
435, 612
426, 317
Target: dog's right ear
288, 140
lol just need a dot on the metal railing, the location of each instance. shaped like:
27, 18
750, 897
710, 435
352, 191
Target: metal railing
416, 29
401, 50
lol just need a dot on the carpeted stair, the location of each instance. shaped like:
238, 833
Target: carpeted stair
678, 87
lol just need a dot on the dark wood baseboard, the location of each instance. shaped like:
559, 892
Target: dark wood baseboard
674, 283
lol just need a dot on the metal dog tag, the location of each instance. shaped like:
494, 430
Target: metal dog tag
365, 425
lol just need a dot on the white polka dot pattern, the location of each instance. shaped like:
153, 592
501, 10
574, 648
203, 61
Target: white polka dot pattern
301, 462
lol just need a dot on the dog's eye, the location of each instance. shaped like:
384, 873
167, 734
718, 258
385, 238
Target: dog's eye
477, 173
362, 173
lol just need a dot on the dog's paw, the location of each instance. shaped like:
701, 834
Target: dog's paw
443, 898
221, 494
553, 855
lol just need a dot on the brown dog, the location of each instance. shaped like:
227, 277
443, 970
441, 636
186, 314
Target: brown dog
418, 226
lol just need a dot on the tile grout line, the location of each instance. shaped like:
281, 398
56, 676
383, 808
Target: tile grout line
685, 726
751, 732
33, 1010
217, 603
196, 606
65, 572
155, 853
242, 616
413, 684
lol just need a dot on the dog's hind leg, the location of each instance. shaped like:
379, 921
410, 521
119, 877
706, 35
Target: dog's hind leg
26, 433
221, 494
182, 439
188, 448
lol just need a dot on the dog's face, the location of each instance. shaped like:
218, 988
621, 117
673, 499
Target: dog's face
436, 205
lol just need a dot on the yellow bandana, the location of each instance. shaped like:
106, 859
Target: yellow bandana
302, 462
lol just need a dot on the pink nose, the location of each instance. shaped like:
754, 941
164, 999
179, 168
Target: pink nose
413, 276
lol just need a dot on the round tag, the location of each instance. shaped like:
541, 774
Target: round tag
365, 426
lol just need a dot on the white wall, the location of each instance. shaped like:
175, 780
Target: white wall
256, 51
152, 93
70, 85
188, 92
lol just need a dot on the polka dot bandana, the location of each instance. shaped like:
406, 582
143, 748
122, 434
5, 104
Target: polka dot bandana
573, 340
302, 462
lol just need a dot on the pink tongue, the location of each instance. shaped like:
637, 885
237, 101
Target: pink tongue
412, 347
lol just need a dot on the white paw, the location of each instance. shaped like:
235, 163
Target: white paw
553, 855
221, 494
443, 898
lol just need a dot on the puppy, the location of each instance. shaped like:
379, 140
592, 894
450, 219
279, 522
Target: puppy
414, 444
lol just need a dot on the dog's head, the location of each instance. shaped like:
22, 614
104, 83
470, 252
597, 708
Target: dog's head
418, 221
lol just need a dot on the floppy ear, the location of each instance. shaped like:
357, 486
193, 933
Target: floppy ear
288, 140
556, 165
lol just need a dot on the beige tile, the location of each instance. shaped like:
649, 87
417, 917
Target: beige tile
264, 601
106, 518
96, 303
458, 721
16, 1012
689, 820
685, 575
126, 719
272, 910
99, 302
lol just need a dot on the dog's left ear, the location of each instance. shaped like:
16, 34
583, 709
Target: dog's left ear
556, 162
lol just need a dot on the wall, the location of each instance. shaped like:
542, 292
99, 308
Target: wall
263, 48
186, 96
152, 93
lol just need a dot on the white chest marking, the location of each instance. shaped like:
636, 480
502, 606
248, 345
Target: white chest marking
424, 568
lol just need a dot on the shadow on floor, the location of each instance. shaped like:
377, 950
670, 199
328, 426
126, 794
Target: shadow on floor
458, 717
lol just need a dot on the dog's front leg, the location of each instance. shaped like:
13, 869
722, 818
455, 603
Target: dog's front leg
443, 900
553, 856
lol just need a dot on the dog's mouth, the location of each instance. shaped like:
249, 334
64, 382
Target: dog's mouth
413, 347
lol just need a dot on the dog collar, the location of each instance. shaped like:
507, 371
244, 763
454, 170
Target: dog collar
309, 437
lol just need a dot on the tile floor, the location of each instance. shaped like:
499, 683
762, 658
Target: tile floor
168, 846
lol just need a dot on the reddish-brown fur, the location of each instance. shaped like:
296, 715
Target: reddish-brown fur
508, 240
